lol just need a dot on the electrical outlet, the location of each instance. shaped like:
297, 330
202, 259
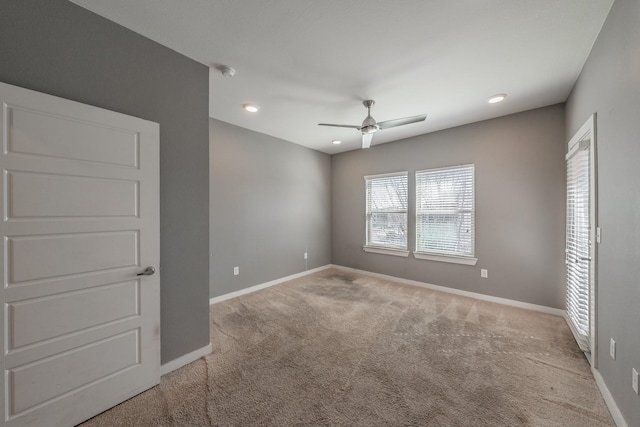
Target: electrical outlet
634, 380
306, 255
612, 349
236, 271
484, 273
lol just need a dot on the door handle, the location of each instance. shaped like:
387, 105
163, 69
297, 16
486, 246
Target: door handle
149, 271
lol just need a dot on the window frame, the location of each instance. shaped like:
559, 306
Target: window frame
386, 249
457, 258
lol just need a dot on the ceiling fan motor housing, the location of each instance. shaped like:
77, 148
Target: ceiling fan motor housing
369, 128
369, 124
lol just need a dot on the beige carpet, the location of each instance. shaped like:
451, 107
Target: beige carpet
341, 349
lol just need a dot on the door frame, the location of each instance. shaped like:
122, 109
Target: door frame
588, 132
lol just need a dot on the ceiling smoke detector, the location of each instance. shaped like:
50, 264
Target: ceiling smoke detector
226, 70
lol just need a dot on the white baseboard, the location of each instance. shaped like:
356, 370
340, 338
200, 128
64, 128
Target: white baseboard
504, 301
185, 360
608, 398
265, 285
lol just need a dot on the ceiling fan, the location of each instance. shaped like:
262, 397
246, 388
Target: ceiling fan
369, 125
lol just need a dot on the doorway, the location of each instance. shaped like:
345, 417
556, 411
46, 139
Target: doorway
581, 237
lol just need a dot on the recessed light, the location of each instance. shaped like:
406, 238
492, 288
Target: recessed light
336, 142
250, 108
497, 98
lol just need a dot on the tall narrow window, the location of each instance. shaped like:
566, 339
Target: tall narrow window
386, 211
581, 251
578, 244
445, 223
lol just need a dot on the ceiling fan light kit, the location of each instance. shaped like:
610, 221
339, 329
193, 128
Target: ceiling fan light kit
370, 126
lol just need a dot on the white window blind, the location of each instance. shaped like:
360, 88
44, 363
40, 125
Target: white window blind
445, 223
386, 210
578, 247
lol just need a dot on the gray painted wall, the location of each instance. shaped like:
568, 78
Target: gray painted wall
58, 48
270, 202
610, 86
520, 205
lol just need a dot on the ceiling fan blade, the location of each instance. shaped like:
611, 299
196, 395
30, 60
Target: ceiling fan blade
366, 140
401, 122
339, 126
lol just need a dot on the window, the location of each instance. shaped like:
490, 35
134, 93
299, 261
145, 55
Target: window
386, 210
445, 214
580, 254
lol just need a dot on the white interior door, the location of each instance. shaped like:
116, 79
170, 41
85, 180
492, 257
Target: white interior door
80, 201
581, 238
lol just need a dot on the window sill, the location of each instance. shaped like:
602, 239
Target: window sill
446, 258
386, 251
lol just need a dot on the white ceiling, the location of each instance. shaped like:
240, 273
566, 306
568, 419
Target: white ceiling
309, 61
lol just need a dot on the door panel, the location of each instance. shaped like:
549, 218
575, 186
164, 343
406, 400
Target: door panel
110, 356
69, 138
42, 257
29, 321
31, 195
80, 330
